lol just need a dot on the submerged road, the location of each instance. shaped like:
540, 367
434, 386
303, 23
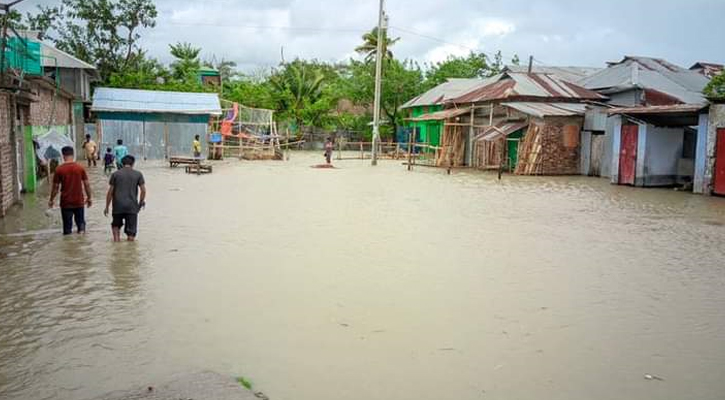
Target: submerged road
372, 283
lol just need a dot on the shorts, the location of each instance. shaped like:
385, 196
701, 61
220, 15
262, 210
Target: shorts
127, 220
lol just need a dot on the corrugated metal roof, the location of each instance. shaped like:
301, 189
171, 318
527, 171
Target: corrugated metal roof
649, 73
510, 85
500, 129
542, 110
654, 110
152, 101
53, 57
570, 74
441, 115
65, 60
454, 87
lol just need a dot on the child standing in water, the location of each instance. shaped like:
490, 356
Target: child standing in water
108, 159
120, 151
328, 150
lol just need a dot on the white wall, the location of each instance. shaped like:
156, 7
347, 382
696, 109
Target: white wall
664, 151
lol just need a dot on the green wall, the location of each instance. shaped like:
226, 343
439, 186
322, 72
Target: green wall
30, 132
429, 131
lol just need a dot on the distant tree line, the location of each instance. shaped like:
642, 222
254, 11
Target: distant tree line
305, 93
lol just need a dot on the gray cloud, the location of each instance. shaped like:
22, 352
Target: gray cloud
562, 32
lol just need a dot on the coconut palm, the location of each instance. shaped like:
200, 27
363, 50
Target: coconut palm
370, 45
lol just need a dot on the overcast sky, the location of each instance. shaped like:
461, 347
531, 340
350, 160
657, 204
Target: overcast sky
555, 32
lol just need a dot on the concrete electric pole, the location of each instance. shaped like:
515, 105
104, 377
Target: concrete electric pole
378, 82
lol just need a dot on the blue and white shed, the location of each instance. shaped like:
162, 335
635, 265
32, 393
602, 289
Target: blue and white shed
153, 124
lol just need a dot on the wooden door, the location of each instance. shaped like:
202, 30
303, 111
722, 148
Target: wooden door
628, 154
719, 175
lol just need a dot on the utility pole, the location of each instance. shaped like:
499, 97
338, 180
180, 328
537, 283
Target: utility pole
531, 63
378, 83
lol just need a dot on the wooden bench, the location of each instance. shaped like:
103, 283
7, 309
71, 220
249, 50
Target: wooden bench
176, 161
198, 169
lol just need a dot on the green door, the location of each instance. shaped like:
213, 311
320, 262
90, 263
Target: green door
513, 150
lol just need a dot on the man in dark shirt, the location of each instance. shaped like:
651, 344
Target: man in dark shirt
123, 192
72, 180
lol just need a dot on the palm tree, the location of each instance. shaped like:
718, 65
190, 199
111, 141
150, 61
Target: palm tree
298, 85
370, 45
187, 64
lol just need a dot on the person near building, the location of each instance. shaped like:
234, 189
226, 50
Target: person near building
196, 147
75, 192
91, 149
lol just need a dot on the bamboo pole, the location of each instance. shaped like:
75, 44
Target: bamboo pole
410, 150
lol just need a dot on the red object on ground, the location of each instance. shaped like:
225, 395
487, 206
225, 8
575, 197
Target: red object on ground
719, 175
628, 154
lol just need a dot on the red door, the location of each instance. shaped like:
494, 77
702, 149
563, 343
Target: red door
628, 154
719, 181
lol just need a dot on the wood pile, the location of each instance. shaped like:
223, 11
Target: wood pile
530, 152
453, 144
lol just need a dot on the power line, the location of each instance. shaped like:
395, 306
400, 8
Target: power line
270, 27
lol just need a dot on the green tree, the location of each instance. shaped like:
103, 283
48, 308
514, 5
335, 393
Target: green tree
402, 80
141, 73
101, 32
715, 90
297, 86
370, 45
186, 65
474, 65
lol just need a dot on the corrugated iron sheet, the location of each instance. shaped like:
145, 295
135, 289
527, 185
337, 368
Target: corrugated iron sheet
454, 87
503, 128
570, 74
542, 110
152, 101
654, 110
441, 115
649, 73
535, 85
146, 140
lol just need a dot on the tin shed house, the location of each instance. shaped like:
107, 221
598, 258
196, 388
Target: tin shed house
153, 124
657, 132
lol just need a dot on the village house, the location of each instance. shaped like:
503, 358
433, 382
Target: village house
418, 108
707, 69
153, 124
656, 133
527, 123
33, 102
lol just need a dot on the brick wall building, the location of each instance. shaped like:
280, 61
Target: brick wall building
551, 146
49, 109
9, 191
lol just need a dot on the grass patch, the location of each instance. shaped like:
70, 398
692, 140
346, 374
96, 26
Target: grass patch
245, 382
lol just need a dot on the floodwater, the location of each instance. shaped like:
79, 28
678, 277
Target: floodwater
372, 283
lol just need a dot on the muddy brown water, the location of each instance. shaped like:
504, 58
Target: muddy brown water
372, 283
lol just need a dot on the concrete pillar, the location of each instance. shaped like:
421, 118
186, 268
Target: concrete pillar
641, 170
585, 153
615, 131
699, 184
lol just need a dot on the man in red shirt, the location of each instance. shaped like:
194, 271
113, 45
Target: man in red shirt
72, 180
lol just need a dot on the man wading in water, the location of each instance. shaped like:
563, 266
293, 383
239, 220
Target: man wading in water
123, 192
72, 180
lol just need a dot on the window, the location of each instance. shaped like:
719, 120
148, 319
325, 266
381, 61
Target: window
689, 143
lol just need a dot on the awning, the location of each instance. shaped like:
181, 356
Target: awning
669, 115
500, 129
542, 110
441, 115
